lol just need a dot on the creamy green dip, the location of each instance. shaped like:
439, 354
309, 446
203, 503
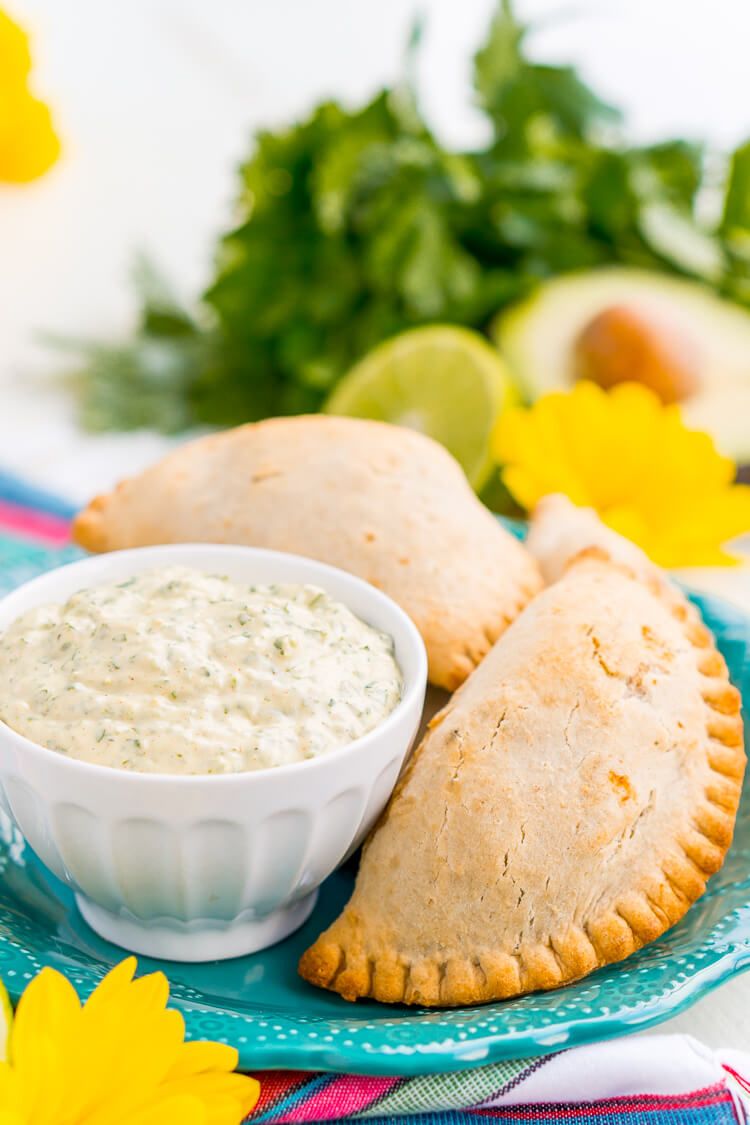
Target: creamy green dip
177, 671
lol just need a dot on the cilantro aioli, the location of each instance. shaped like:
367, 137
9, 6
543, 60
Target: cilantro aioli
177, 671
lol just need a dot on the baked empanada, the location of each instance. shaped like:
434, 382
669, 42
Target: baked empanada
566, 807
382, 502
559, 530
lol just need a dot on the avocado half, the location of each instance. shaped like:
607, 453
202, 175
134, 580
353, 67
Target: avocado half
537, 338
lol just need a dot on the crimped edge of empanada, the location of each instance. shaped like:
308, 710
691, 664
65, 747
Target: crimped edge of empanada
451, 667
340, 961
88, 529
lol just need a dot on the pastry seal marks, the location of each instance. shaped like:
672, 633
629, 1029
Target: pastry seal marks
594, 795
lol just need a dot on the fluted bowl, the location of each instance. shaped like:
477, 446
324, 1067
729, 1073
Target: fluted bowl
196, 868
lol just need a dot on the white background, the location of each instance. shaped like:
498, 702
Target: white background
156, 101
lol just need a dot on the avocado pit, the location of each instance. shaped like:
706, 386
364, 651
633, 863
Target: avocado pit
625, 343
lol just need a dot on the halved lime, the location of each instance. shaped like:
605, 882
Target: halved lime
444, 381
6, 1021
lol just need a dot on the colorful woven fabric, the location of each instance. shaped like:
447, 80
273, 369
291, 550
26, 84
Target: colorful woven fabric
292, 1096
34, 532
664, 1080
289, 1096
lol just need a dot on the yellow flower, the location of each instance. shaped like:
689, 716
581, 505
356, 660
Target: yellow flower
28, 143
631, 458
15, 58
120, 1059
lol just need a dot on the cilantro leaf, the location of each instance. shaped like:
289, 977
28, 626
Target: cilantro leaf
353, 225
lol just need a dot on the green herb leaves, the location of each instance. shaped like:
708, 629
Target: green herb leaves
355, 225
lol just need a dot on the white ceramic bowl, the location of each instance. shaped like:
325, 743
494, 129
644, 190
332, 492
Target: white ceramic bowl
207, 867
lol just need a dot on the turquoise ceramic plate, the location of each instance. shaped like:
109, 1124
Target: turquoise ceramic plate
259, 1005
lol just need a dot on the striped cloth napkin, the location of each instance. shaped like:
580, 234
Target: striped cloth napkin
662, 1079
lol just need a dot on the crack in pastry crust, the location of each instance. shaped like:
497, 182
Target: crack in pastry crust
542, 908
385, 503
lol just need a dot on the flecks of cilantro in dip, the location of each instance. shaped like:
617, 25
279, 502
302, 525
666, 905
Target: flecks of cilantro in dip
178, 671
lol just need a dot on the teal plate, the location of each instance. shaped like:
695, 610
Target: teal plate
259, 1005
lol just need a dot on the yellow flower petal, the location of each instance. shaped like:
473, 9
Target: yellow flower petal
28, 143
11, 1092
43, 1035
223, 1094
194, 1058
120, 1059
15, 58
137, 1058
150, 993
49, 1006
113, 985
180, 1109
11, 1117
534, 445
41, 1083
631, 458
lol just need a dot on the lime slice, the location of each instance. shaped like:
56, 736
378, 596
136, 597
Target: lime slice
6, 1021
444, 381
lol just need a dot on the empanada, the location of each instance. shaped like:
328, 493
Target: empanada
382, 502
559, 530
566, 807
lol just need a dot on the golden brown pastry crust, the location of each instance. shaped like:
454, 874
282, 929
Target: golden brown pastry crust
559, 530
566, 807
382, 502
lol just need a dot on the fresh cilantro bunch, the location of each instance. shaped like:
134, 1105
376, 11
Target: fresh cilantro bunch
355, 225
